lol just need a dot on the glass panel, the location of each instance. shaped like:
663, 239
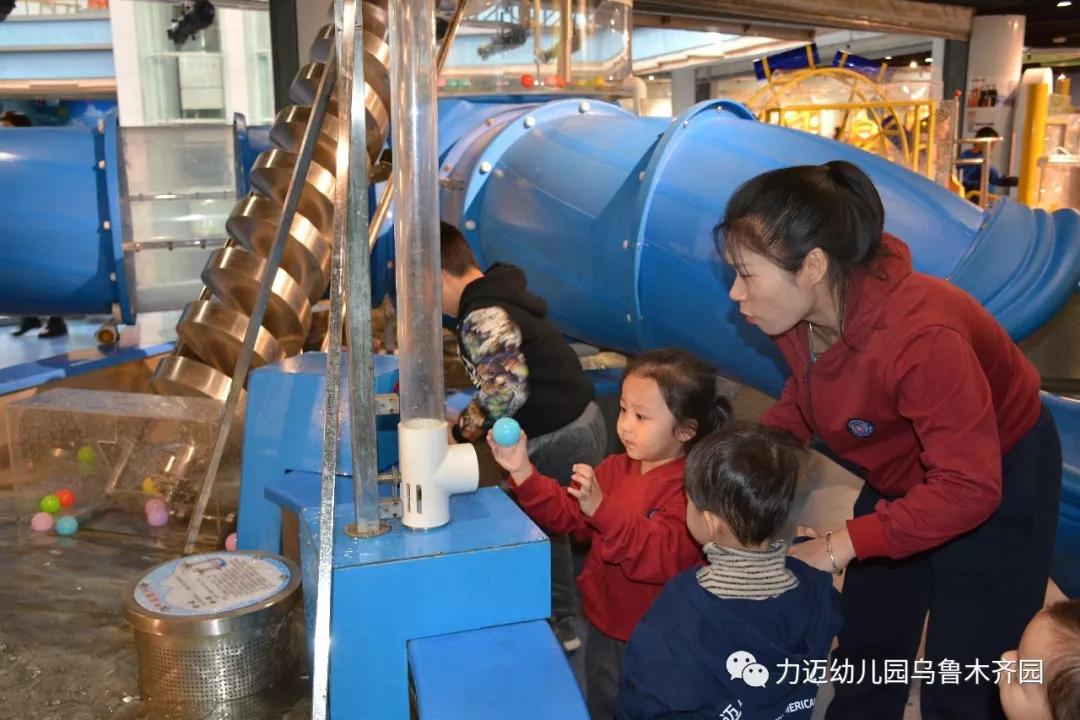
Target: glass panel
183, 82
180, 192
516, 46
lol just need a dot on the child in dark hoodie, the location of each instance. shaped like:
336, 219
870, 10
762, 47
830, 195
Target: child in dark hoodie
735, 639
522, 368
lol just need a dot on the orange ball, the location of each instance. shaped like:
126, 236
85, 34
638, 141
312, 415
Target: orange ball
528, 80
67, 498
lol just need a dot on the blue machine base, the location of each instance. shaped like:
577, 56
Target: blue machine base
488, 568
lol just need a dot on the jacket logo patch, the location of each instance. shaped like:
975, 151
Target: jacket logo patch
860, 428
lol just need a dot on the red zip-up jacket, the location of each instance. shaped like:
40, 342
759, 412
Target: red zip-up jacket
925, 392
639, 536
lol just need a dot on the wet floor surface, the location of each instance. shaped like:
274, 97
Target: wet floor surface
66, 652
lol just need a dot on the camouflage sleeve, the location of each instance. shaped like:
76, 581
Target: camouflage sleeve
491, 343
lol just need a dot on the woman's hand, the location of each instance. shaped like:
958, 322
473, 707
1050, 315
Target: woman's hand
513, 459
815, 554
585, 489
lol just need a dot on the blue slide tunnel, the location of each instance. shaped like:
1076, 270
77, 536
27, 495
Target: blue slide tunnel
611, 216
61, 248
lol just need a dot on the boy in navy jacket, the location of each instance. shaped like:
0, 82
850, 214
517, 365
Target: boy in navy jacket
735, 639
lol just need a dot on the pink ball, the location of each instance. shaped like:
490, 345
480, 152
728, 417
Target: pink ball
230, 542
42, 522
156, 505
157, 517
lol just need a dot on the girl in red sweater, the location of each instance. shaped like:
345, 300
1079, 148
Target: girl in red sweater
631, 506
911, 380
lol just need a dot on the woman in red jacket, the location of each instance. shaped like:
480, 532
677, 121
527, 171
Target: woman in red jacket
910, 379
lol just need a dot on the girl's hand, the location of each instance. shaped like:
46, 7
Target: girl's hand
513, 459
585, 489
815, 554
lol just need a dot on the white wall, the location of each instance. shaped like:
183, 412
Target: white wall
682, 90
126, 62
234, 55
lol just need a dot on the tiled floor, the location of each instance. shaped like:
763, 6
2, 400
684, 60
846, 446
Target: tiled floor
30, 360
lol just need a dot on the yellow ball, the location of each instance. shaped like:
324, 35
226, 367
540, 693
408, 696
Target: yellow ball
148, 486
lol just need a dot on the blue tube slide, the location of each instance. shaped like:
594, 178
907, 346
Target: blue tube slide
611, 216
61, 249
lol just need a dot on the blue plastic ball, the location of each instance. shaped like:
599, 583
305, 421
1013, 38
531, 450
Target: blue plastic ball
506, 431
67, 525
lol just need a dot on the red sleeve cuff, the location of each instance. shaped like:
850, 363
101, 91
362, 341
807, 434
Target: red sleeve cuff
528, 489
605, 519
867, 534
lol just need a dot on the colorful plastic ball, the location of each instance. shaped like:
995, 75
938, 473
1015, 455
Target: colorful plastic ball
67, 525
67, 498
41, 522
157, 517
86, 455
155, 505
527, 80
230, 542
50, 504
148, 486
506, 432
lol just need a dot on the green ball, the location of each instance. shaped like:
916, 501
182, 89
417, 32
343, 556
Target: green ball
50, 504
86, 455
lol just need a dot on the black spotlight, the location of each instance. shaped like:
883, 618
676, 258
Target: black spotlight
195, 19
6, 6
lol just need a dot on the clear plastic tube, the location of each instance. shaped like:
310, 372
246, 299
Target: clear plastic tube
414, 118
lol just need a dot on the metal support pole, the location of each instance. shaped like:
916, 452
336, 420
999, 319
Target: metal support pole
273, 262
984, 178
566, 39
350, 232
345, 12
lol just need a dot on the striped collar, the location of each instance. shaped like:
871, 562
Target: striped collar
747, 574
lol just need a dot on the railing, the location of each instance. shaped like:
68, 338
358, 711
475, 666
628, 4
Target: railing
901, 130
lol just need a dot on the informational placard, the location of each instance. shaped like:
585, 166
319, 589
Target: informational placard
211, 584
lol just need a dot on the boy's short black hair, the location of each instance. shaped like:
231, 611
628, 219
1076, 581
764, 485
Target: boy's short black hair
456, 256
1063, 666
986, 131
745, 474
